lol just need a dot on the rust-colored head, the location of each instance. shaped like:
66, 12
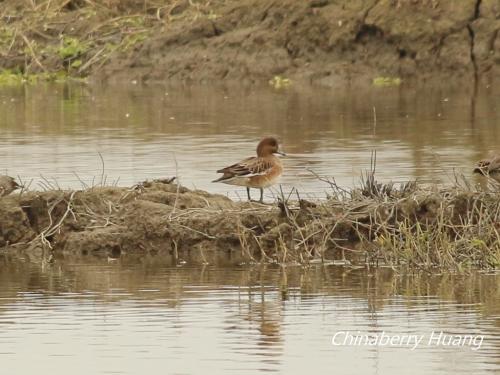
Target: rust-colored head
268, 146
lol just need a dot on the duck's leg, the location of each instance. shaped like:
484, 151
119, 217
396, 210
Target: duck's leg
261, 195
248, 194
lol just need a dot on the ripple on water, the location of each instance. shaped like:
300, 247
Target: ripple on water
200, 129
100, 319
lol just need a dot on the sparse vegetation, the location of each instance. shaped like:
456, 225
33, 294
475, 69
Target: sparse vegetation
386, 81
76, 36
12, 78
71, 49
252, 40
410, 226
279, 82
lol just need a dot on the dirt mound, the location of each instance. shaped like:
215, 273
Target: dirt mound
411, 225
322, 41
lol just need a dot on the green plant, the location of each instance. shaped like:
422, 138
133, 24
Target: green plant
71, 48
279, 82
9, 78
386, 81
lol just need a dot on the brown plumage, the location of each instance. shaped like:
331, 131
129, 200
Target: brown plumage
7, 185
257, 172
489, 167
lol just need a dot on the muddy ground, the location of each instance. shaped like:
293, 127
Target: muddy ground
408, 225
323, 41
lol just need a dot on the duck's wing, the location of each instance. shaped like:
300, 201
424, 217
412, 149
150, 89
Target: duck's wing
253, 166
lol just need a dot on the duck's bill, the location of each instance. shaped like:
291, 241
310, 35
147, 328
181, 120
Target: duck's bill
280, 153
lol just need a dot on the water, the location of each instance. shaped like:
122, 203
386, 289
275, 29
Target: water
146, 132
131, 315
134, 315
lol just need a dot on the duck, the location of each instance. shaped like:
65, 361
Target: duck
7, 185
489, 167
257, 172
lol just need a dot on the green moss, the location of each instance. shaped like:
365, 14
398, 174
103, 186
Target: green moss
279, 82
71, 48
478, 243
76, 63
10, 78
13, 78
386, 81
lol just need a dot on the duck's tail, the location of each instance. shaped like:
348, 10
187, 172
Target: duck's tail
224, 177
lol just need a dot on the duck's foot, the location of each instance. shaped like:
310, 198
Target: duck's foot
256, 201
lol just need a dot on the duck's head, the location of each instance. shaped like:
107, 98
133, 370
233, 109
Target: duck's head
269, 146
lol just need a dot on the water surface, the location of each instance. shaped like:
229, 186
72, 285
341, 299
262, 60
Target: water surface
131, 316
142, 132
134, 315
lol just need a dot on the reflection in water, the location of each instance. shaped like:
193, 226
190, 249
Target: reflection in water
133, 314
148, 132
125, 315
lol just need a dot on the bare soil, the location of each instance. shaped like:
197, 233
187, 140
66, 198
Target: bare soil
322, 41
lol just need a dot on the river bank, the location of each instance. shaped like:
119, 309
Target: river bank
317, 41
414, 226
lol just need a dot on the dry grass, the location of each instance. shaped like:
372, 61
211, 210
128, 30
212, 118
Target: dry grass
54, 39
420, 227
408, 226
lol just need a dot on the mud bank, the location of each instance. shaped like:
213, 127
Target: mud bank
323, 41
447, 228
